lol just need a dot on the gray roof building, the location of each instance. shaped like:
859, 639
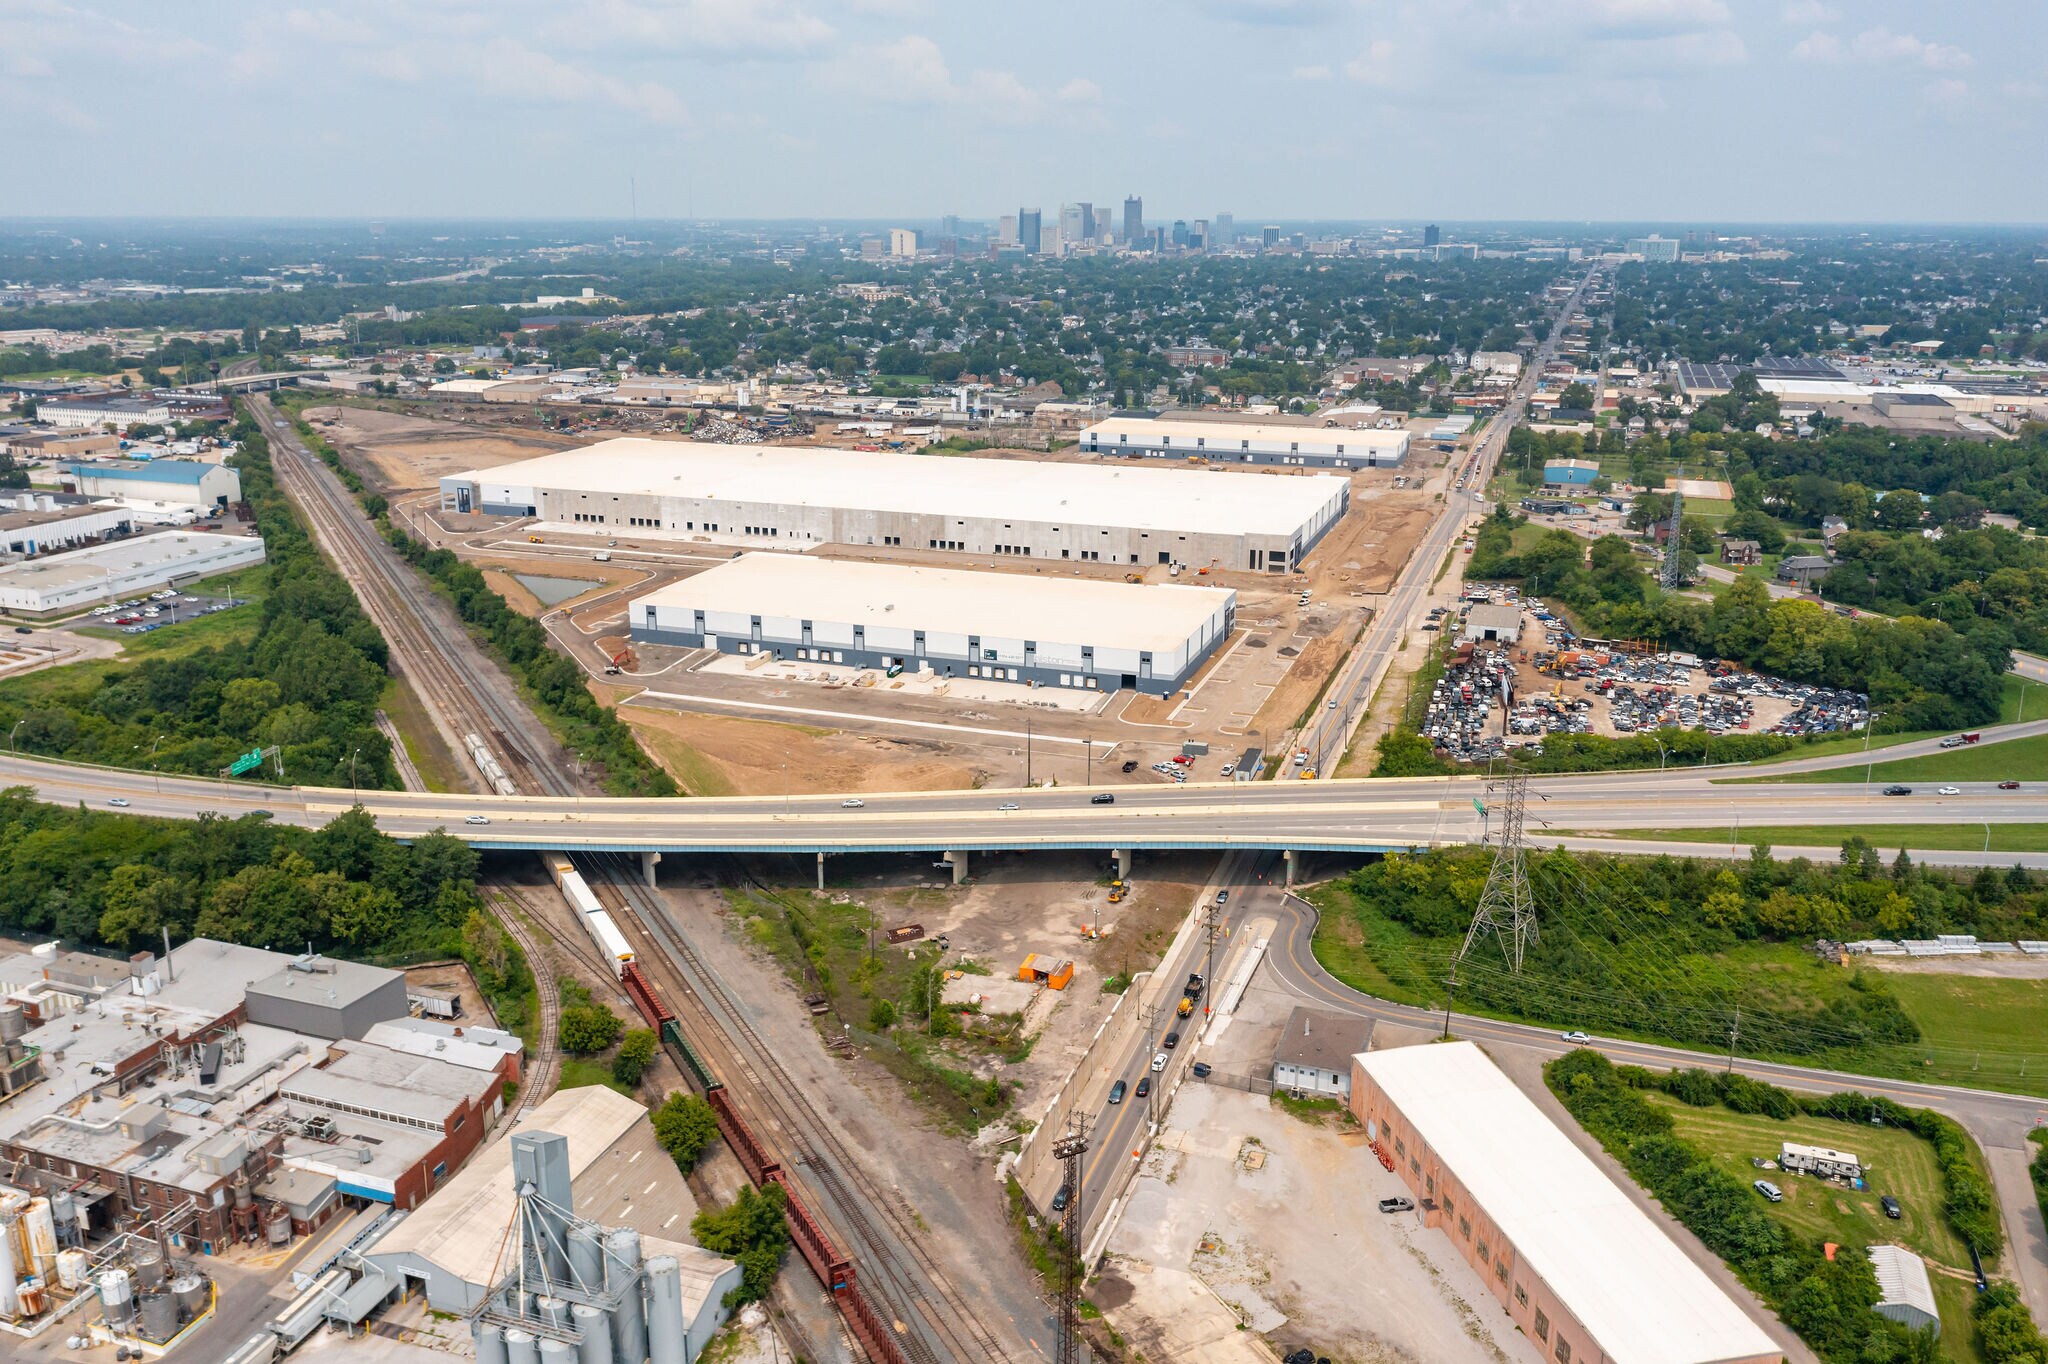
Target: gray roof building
1315, 1050
323, 997
1502, 624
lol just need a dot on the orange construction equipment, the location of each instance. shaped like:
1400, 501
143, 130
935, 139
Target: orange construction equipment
1055, 973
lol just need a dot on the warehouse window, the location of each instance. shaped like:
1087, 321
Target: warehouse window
1465, 1227
1542, 1325
1482, 1248
1500, 1270
1521, 1296
1564, 1350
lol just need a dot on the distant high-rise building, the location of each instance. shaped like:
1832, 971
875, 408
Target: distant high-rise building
1180, 232
949, 226
1028, 230
1157, 237
1198, 235
1073, 222
1431, 236
1087, 222
1006, 228
1134, 221
1223, 230
1269, 236
902, 242
1654, 248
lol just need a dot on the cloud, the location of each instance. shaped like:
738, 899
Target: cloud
1880, 47
1311, 73
1273, 13
749, 28
912, 70
1642, 18
1809, 12
1374, 66
1818, 47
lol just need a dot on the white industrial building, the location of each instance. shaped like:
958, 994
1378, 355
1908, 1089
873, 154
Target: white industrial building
103, 573
1053, 632
1904, 1291
1310, 447
187, 482
798, 497
33, 523
117, 409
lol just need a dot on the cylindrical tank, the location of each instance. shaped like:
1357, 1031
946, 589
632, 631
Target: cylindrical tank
490, 1343
42, 1238
33, 1298
629, 1322
73, 1267
64, 1210
244, 1200
666, 1343
13, 1023
586, 1257
148, 1265
553, 1311
159, 1316
521, 1347
190, 1291
597, 1334
10, 1274
278, 1226
557, 1352
116, 1298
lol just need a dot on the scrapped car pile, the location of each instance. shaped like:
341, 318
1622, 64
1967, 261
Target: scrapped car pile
1631, 711
1461, 705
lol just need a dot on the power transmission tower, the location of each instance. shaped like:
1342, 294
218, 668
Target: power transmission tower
1505, 906
1068, 1150
1671, 577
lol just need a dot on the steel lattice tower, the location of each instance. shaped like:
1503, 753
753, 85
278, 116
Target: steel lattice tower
1670, 577
1068, 1151
1505, 906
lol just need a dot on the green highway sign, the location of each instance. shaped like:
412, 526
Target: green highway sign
248, 762
1478, 805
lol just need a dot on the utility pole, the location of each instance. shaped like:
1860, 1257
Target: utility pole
1505, 905
1734, 1028
1068, 1150
1027, 753
1212, 924
1451, 997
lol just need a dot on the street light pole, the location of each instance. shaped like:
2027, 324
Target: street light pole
1869, 730
12, 732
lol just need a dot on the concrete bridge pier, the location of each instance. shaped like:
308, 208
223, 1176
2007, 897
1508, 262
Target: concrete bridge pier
648, 862
957, 859
821, 871
1123, 863
1288, 858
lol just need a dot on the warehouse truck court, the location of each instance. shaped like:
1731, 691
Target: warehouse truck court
797, 498
1004, 627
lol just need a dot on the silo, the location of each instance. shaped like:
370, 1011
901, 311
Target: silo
586, 1257
159, 1316
597, 1334
666, 1341
553, 1311
148, 1264
490, 1343
117, 1303
622, 1269
64, 1211
557, 1352
190, 1291
521, 1348
41, 1227
278, 1226
10, 1274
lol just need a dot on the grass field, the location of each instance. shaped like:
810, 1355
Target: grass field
2002, 1017
1898, 1164
437, 764
580, 1071
2015, 759
1947, 837
231, 626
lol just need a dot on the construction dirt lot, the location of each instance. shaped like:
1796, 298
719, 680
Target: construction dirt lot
409, 453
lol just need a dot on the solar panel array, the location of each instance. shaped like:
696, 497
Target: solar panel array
1694, 376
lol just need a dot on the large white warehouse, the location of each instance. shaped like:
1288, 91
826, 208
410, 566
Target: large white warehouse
1056, 632
796, 497
1311, 447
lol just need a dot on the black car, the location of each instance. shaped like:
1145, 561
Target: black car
1397, 1205
1144, 1085
1059, 1200
1104, 799
1116, 1092
1891, 1207
1130, 765
1172, 1041
1201, 1070
1898, 790
1222, 897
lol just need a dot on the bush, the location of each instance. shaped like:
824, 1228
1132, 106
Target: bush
685, 1125
588, 1028
636, 1053
752, 1231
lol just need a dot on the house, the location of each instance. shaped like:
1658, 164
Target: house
1805, 569
1313, 1055
1741, 552
1830, 527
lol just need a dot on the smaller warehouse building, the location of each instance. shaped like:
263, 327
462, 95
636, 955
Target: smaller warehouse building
1245, 443
1489, 624
104, 573
1578, 1267
184, 482
44, 523
1006, 627
1904, 1292
1314, 1053
324, 997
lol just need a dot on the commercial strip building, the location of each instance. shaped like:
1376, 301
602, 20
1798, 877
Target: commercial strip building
1579, 1268
1054, 632
1308, 447
108, 572
187, 482
797, 497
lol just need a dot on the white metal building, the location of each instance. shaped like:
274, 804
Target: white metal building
189, 482
1311, 447
84, 577
1904, 1292
1055, 632
796, 497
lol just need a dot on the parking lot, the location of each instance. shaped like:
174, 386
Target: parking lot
152, 611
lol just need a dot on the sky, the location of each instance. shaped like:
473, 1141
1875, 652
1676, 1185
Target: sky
1709, 111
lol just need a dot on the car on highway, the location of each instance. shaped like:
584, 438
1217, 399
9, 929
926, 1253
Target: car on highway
1159, 1060
1116, 1092
477, 819
119, 801
1397, 1205
1007, 805
1770, 1191
1222, 897
1144, 1085
1950, 791
1201, 1070
1898, 790
1891, 1207
2008, 786
1575, 1037
1104, 799
852, 803
1170, 1041
1059, 1200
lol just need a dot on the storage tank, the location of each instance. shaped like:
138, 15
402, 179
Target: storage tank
521, 1347
41, 1227
74, 1267
597, 1334
116, 1298
13, 1023
553, 1311
277, 1226
557, 1352
666, 1341
159, 1316
586, 1257
10, 1272
190, 1291
64, 1211
629, 1322
32, 1298
148, 1266
490, 1343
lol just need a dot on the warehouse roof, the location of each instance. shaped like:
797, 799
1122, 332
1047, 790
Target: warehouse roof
1024, 490
1008, 605
1218, 433
1609, 1264
327, 982
380, 1082
116, 559
1322, 1041
147, 471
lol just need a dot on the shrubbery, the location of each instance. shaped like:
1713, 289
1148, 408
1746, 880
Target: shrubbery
685, 1125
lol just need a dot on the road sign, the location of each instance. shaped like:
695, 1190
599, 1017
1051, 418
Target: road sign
1480, 806
248, 762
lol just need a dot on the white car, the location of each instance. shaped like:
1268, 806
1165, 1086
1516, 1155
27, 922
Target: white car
1950, 791
1575, 1037
852, 803
1159, 1060
1007, 806
119, 802
478, 819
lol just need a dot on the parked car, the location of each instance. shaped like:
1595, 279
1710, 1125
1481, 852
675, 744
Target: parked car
852, 803
1201, 1070
1397, 1205
1130, 765
1769, 1190
1891, 1207
1575, 1037
1144, 1085
1898, 790
1103, 799
478, 819
1159, 1060
1116, 1092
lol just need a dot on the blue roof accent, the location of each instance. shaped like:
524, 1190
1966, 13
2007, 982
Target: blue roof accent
155, 471
365, 1191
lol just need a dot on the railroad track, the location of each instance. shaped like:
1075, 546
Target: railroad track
539, 1078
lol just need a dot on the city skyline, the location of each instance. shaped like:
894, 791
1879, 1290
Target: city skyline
1675, 110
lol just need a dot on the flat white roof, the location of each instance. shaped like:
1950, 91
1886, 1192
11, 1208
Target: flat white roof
1008, 605
938, 485
1219, 434
1611, 1266
166, 551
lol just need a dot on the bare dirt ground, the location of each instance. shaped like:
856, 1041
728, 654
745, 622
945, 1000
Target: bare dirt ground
2008, 967
454, 976
1367, 549
410, 452
716, 755
1311, 668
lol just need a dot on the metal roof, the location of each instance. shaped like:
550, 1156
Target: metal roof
1322, 1041
1902, 1279
154, 471
1613, 1268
